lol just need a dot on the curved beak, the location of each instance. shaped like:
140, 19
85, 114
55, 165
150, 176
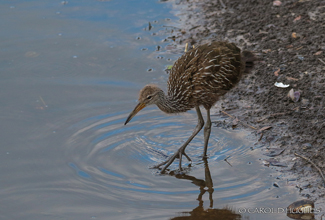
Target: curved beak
135, 111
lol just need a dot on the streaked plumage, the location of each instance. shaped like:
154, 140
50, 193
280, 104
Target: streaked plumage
198, 78
203, 74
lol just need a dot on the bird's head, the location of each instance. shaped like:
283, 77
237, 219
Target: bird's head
150, 94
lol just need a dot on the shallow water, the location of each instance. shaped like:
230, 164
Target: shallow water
71, 71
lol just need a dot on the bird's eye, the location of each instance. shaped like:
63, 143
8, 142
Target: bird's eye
149, 97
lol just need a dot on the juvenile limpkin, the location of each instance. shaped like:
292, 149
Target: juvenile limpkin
198, 78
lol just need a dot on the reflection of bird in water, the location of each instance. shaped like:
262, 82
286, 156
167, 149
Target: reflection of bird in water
198, 78
199, 213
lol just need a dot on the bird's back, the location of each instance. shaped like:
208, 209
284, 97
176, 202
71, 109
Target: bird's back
203, 74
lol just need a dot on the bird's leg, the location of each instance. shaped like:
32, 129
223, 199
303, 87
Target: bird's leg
207, 131
181, 150
176, 156
180, 158
187, 157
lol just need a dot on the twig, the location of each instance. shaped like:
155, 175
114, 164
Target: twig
227, 114
223, 4
321, 60
272, 115
42, 101
239, 120
319, 170
261, 136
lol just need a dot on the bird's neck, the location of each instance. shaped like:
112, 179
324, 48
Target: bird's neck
167, 104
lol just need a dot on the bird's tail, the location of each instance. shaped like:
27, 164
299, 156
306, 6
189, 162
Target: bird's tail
248, 58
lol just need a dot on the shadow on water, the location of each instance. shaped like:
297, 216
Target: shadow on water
205, 185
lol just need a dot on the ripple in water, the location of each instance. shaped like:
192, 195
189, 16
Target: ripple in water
107, 155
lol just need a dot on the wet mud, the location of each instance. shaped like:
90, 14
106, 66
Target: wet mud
288, 38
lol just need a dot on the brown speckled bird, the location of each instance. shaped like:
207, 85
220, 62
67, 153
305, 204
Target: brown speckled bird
198, 78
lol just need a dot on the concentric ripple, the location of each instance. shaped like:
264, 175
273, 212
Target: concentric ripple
108, 155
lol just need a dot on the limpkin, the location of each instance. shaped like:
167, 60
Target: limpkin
198, 78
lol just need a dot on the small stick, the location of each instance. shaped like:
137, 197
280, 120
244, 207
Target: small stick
261, 136
319, 170
321, 61
262, 119
40, 97
272, 115
239, 120
227, 114
223, 4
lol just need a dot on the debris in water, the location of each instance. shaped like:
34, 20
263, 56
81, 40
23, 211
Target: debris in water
272, 152
281, 85
276, 185
274, 162
42, 100
150, 26
265, 163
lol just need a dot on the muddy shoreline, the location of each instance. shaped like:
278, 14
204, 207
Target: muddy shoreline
288, 37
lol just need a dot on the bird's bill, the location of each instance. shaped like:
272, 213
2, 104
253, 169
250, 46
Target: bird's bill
135, 111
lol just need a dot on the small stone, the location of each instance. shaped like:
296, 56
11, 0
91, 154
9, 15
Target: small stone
300, 57
306, 146
277, 3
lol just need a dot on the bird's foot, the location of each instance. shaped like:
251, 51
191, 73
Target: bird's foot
168, 162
